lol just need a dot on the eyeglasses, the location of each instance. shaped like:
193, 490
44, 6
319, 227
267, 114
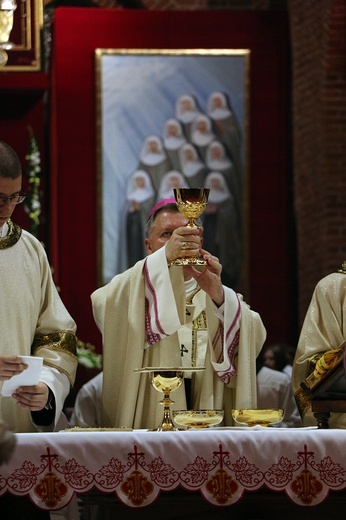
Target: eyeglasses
14, 199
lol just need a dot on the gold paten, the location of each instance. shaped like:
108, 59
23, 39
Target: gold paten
79, 429
257, 417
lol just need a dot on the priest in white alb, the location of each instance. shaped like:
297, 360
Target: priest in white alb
34, 321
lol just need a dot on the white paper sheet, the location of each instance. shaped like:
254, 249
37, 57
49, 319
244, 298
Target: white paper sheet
28, 377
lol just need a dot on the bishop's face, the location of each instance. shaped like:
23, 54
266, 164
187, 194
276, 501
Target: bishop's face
164, 225
8, 187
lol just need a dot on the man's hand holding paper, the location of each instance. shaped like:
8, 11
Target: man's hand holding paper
11, 366
24, 385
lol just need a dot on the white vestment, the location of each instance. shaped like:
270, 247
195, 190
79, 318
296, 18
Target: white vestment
141, 314
88, 405
34, 321
274, 390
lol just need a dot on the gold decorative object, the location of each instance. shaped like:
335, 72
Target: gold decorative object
79, 429
191, 203
265, 417
197, 419
21, 34
167, 380
7, 8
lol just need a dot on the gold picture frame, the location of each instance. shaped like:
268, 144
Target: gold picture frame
137, 92
24, 51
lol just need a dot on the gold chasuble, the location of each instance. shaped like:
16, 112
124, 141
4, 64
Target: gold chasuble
322, 336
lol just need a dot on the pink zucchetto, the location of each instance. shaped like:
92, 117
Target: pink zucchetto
159, 205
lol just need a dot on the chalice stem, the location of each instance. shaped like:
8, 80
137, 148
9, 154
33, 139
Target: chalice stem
167, 422
191, 223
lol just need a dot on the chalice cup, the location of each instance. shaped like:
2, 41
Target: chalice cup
191, 203
166, 380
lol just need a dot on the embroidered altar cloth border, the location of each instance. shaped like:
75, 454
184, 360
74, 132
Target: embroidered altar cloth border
221, 464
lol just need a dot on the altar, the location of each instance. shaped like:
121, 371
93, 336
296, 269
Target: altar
215, 471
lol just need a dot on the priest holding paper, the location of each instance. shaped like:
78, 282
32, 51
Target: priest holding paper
34, 321
155, 314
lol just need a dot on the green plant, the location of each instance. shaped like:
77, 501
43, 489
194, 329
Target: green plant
87, 356
33, 173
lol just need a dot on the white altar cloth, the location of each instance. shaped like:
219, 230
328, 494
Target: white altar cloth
222, 464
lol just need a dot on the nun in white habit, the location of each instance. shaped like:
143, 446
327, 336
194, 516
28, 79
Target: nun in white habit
186, 111
202, 133
140, 197
153, 159
172, 179
226, 124
217, 159
221, 228
173, 139
191, 166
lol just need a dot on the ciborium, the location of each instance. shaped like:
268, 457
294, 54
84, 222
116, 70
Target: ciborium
191, 203
7, 8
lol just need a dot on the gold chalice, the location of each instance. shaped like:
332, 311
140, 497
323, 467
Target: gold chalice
191, 203
197, 419
167, 380
257, 417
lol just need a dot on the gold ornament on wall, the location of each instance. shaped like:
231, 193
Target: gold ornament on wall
21, 23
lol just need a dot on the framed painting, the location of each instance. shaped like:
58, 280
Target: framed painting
165, 119
21, 23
